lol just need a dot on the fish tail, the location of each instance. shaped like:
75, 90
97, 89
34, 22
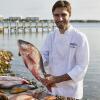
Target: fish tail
25, 82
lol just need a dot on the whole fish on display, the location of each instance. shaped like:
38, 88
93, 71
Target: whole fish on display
32, 59
10, 81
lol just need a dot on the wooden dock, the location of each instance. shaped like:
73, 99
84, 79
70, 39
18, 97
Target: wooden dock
29, 24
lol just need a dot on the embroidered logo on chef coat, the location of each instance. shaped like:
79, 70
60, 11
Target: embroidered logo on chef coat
73, 45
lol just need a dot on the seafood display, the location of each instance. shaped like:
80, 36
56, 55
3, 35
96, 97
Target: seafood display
5, 59
20, 88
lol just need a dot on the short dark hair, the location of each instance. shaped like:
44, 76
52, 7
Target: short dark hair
62, 3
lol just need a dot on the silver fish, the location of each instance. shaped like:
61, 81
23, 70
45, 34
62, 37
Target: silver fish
10, 81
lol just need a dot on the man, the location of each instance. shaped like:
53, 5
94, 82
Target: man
66, 52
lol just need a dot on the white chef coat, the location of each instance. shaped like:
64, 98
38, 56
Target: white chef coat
67, 53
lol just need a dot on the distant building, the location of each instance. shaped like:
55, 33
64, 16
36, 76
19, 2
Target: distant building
32, 18
14, 18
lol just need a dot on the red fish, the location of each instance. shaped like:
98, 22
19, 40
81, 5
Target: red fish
32, 59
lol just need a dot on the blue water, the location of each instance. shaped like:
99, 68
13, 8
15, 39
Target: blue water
92, 79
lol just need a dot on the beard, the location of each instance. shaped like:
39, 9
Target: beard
61, 25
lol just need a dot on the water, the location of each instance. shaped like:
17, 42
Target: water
92, 30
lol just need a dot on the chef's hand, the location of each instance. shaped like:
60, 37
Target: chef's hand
50, 80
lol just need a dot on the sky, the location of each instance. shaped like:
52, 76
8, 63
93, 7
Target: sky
81, 9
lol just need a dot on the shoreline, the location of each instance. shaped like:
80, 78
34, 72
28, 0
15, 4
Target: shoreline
37, 19
86, 21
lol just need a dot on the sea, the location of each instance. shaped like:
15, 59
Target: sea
8, 41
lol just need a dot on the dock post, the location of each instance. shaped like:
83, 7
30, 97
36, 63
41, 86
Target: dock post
2, 25
23, 25
30, 26
16, 27
36, 23
42, 25
48, 25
